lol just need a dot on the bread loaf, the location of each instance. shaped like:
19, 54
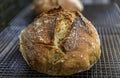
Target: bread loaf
40, 6
60, 43
44, 5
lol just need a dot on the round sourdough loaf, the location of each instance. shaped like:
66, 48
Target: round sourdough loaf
60, 43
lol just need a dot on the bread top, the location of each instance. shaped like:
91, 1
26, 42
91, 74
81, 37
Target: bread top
64, 29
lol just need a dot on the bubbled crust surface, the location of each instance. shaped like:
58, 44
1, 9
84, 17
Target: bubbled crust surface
75, 50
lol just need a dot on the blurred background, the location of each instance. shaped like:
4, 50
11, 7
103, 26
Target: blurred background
10, 8
118, 1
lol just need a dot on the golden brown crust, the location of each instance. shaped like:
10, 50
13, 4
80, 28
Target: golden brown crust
60, 43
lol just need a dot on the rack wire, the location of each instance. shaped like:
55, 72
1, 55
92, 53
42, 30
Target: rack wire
107, 23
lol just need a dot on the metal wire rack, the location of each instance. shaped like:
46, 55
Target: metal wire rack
107, 22
99, 15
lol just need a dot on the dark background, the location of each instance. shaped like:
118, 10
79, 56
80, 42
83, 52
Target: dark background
118, 1
10, 8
